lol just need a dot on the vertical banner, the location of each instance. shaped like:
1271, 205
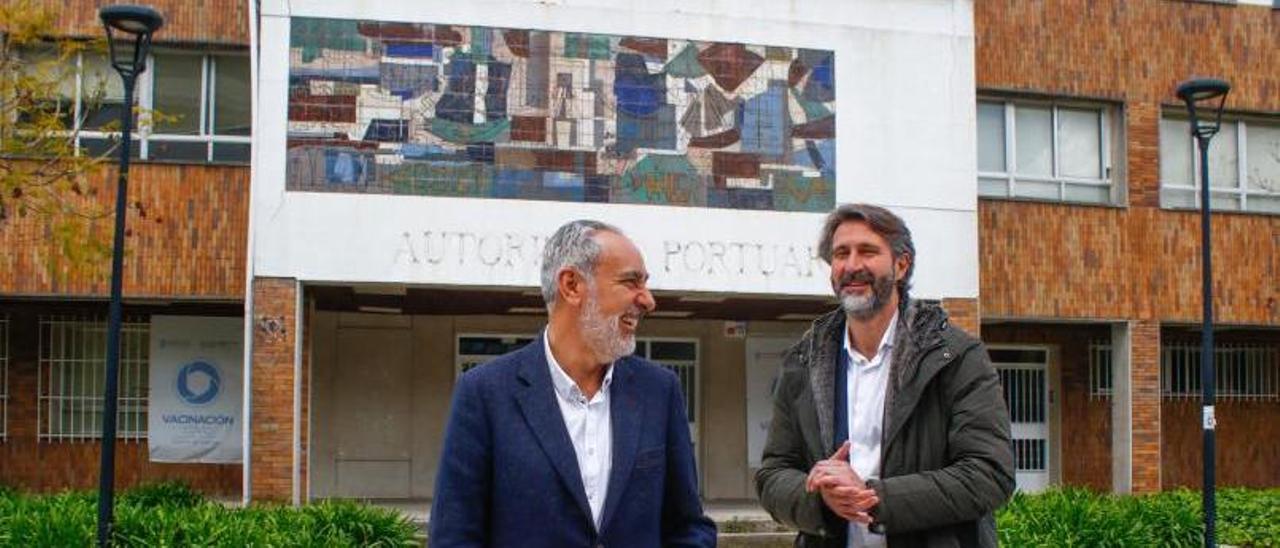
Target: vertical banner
197, 375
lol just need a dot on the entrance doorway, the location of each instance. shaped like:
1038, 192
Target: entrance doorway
1024, 377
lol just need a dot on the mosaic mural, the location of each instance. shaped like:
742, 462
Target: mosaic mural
439, 110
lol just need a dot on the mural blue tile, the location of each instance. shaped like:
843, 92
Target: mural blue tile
483, 112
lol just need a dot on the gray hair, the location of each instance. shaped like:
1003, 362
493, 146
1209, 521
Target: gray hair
572, 246
884, 223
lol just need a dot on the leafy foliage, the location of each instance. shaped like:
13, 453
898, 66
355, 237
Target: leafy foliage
1077, 517
43, 176
171, 514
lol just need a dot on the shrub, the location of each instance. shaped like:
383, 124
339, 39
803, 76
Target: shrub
1076, 517
172, 514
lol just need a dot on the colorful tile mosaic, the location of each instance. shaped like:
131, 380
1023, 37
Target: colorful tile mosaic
477, 112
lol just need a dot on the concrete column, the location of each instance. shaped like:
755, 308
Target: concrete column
1121, 409
1135, 413
274, 461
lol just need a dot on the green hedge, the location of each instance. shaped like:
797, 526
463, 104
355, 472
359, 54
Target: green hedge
173, 515
1076, 517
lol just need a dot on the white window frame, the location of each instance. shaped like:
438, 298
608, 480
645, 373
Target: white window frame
1241, 192
143, 134
208, 106
67, 416
1107, 141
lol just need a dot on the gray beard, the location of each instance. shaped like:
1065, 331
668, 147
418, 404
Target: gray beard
863, 308
604, 335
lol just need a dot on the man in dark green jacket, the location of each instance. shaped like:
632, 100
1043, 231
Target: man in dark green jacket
888, 426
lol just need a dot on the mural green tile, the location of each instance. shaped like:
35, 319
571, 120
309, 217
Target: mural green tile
575, 117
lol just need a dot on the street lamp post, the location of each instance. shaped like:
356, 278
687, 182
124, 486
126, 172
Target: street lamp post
135, 25
1208, 95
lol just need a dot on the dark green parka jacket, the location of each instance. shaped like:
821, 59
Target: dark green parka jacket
946, 455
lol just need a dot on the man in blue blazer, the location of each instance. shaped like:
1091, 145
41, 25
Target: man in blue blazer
571, 441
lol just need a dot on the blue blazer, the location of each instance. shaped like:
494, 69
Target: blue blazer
508, 474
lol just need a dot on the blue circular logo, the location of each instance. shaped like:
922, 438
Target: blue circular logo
199, 383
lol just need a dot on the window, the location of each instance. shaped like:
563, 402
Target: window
1046, 150
202, 103
1244, 371
1244, 166
1100, 369
4, 377
73, 353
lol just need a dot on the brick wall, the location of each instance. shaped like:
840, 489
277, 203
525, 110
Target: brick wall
186, 240
271, 469
963, 313
208, 22
1056, 261
28, 463
1144, 375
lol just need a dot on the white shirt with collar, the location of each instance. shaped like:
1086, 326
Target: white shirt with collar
589, 428
866, 383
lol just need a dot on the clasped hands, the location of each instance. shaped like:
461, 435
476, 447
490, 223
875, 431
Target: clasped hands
842, 490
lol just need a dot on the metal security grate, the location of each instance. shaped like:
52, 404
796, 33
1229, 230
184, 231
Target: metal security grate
1024, 392
1029, 455
73, 352
1024, 381
1243, 371
4, 377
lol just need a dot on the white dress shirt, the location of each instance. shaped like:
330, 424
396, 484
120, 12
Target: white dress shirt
866, 382
588, 423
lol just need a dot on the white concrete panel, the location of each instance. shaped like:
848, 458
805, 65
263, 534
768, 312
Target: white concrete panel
454, 241
949, 16
904, 119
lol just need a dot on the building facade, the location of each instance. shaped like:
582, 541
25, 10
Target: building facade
367, 191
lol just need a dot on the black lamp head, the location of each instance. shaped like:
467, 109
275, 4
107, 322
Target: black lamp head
136, 24
1204, 93
131, 19
1202, 89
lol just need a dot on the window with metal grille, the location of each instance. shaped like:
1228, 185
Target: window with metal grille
1246, 371
4, 377
1099, 369
73, 356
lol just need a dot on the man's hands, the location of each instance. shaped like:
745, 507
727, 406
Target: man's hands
842, 490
